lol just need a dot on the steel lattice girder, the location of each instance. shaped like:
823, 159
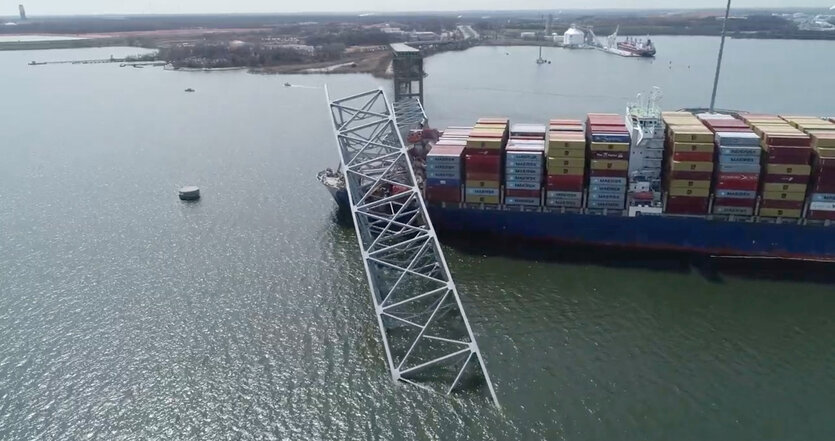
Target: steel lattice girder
427, 337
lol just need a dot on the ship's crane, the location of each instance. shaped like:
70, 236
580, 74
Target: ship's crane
425, 332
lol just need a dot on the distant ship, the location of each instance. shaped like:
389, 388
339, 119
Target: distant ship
638, 47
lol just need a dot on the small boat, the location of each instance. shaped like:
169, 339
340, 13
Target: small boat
288, 85
189, 90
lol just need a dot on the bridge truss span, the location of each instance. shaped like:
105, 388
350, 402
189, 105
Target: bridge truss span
427, 338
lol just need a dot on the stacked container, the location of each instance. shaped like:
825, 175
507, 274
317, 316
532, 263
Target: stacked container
444, 166
608, 154
523, 165
787, 155
483, 161
566, 163
737, 179
737, 157
822, 186
689, 152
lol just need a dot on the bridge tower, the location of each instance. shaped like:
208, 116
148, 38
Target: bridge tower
408, 72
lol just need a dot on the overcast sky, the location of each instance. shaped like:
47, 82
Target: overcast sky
42, 7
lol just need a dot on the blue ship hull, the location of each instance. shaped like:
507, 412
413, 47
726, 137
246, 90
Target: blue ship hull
670, 233
662, 233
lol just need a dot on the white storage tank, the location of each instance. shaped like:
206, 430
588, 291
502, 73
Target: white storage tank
573, 37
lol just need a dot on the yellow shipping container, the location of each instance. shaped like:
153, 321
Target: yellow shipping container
474, 199
691, 134
694, 192
784, 196
680, 183
675, 114
825, 152
566, 163
692, 166
483, 184
787, 169
781, 188
485, 143
681, 121
574, 171
778, 212
566, 153
703, 147
609, 147
825, 139
601, 164
566, 144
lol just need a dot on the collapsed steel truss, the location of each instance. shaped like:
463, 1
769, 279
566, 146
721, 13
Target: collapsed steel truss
426, 335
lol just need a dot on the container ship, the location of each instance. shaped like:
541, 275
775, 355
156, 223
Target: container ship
724, 184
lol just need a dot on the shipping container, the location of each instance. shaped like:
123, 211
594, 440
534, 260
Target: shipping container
784, 196
736, 194
731, 210
783, 205
691, 166
443, 194
511, 200
517, 193
783, 169
577, 171
776, 178
693, 147
777, 212
597, 164
691, 175
784, 188
609, 147
566, 182
608, 173
566, 153
694, 192
822, 198
735, 202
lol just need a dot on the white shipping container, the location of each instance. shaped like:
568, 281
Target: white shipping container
822, 206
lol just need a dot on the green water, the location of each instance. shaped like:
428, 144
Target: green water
126, 314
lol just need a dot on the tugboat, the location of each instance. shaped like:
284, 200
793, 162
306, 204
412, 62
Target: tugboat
189, 90
288, 85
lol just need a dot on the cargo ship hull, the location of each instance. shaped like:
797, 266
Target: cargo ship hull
668, 233
695, 235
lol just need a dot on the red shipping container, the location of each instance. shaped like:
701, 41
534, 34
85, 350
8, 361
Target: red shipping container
782, 205
575, 183
800, 140
609, 173
609, 155
483, 163
821, 187
785, 179
825, 163
733, 202
738, 181
443, 194
565, 122
821, 215
513, 193
495, 176
686, 205
691, 175
789, 155
614, 128
483, 152
693, 156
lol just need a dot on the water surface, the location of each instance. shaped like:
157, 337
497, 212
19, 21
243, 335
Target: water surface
127, 314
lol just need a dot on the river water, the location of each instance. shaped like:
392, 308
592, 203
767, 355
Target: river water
126, 314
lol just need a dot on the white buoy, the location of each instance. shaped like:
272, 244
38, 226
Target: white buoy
190, 193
